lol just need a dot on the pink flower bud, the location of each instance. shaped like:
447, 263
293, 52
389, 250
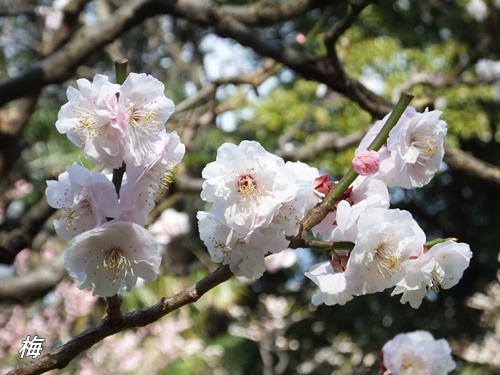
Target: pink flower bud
300, 38
366, 162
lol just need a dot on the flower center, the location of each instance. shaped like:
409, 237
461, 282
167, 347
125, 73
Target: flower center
426, 145
114, 259
247, 186
81, 209
437, 279
412, 364
387, 257
144, 120
88, 127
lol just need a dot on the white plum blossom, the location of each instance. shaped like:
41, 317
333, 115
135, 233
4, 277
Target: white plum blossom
112, 257
247, 185
386, 240
417, 353
441, 266
112, 130
306, 197
244, 253
414, 149
143, 183
114, 124
227, 246
340, 225
416, 146
258, 201
87, 199
143, 111
89, 120
383, 241
333, 288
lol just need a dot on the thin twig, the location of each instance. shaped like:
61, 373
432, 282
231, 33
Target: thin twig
62, 355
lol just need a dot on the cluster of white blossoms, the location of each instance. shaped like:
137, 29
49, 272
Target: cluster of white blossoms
257, 204
417, 353
115, 125
258, 200
389, 246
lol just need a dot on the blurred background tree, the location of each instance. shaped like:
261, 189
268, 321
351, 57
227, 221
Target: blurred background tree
303, 77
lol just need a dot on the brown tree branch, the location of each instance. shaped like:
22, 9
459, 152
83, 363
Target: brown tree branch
355, 9
29, 287
266, 13
62, 355
309, 66
13, 120
29, 10
467, 163
13, 241
62, 64
325, 142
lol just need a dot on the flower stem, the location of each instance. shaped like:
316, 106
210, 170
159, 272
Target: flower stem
326, 247
113, 310
318, 213
121, 66
338, 190
436, 241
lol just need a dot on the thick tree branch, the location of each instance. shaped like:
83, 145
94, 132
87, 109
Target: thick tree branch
27, 288
309, 66
355, 9
62, 355
467, 163
266, 13
13, 241
12, 123
14, 119
325, 142
29, 10
62, 64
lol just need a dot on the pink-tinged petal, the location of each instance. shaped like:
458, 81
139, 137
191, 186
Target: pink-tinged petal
88, 119
417, 353
87, 200
143, 111
112, 257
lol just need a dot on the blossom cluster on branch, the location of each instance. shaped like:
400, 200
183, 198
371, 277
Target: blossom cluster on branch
120, 127
258, 201
389, 248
